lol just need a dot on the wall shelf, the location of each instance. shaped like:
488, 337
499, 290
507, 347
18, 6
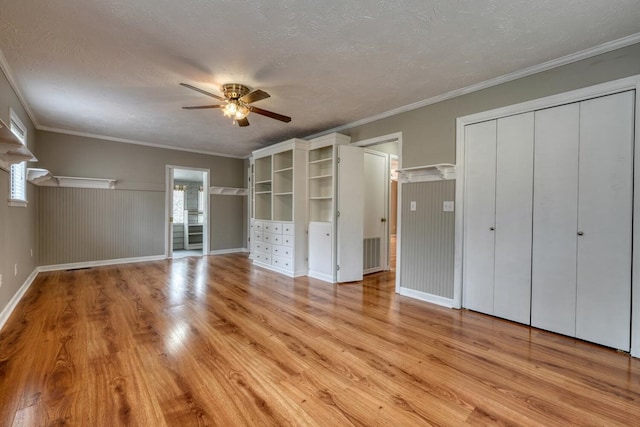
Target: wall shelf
228, 191
11, 149
44, 178
437, 172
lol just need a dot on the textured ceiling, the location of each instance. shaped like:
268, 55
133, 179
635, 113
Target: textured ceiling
112, 67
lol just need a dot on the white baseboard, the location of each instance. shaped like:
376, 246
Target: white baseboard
423, 296
228, 251
13, 302
100, 263
321, 276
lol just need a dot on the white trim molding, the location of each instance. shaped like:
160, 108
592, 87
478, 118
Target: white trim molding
229, 251
608, 88
423, 296
554, 63
13, 302
99, 263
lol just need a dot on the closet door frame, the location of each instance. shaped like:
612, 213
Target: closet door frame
609, 88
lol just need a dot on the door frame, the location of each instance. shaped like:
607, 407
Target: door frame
603, 89
383, 139
168, 208
384, 249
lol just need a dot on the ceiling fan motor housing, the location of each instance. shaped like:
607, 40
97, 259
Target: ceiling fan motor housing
234, 90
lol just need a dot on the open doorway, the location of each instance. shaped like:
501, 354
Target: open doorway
187, 207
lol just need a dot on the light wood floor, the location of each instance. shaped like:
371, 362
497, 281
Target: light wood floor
214, 341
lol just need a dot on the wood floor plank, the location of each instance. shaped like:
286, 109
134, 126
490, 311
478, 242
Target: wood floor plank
216, 341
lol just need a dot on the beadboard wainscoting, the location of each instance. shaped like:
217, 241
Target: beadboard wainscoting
80, 225
427, 249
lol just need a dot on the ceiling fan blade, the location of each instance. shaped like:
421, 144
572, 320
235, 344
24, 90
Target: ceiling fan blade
270, 114
254, 96
203, 91
200, 107
243, 122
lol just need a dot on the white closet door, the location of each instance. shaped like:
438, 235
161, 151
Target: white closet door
350, 222
555, 206
514, 200
479, 216
603, 306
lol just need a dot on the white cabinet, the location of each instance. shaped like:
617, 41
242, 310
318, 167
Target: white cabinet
279, 214
193, 229
548, 207
336, 209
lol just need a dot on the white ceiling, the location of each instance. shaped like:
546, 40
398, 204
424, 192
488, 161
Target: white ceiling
112, 68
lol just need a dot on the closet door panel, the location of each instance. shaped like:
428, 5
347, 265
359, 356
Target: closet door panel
555, 206
479, 216
513, 222
603, 305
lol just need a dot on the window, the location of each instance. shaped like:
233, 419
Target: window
178, 204
18, 181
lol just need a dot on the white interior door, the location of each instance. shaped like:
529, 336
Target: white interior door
376, 179
603, 305
555, 204
350, 213
514, 199
479, 216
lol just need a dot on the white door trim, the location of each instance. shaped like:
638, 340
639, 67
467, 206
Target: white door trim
608, 88
168, 230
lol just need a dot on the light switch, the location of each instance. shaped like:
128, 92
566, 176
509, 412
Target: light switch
412, 205
447, 206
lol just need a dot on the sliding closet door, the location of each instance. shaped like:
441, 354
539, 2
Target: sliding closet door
603, 307
555, 206
479, 216
514, 199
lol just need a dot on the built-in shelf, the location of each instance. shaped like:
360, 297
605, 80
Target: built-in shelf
283, 170
437, 172
283, 194
263, 192
263, 182
321, 198
321, 177
228, 191
39, 176
313, 162
44, 178
11, 149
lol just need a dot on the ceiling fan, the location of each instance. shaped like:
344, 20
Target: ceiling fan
236, 103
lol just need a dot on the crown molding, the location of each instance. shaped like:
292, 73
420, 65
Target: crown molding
4, 65
133, 141
525, 72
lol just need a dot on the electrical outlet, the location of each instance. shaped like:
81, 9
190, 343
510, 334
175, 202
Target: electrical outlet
412, 205
15, 269
31, 251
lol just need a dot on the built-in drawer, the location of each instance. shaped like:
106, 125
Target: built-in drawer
282, 251
276, 228
287, 229
257, 236
285, 263
277, 239
267, 227
287, 240
262, 247
258, 225
268, 237
262, 257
